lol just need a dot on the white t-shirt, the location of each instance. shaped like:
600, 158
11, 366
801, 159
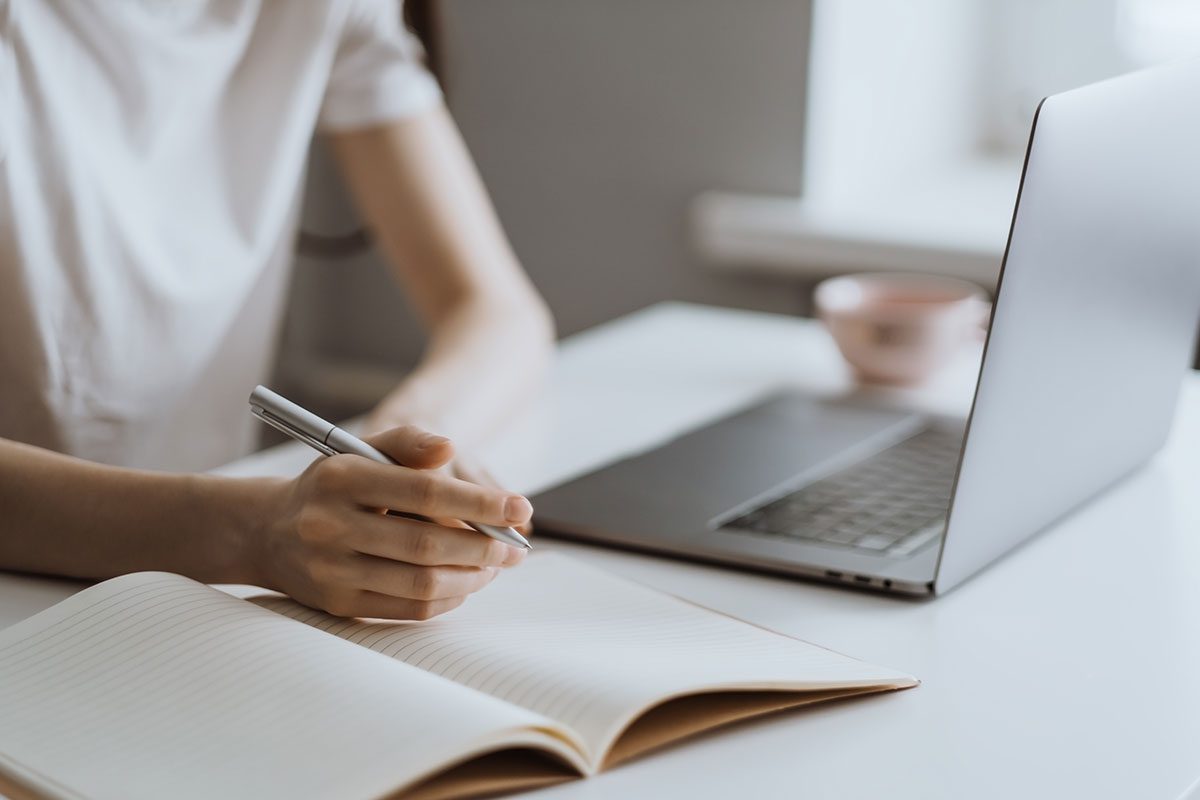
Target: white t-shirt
151, 160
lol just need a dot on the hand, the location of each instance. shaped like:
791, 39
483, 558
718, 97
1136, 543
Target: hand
330, 547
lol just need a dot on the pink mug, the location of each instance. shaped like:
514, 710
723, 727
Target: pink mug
900, 328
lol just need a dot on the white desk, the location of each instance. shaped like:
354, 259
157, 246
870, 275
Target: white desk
1069, 669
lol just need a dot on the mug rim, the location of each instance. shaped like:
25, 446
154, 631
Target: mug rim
968, 292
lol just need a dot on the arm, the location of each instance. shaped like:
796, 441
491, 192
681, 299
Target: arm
491, 336
317, 537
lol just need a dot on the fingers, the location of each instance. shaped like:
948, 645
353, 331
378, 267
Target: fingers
428, 544
331, 565
372, 604
414, 447
412, 582
419, 491
322, 565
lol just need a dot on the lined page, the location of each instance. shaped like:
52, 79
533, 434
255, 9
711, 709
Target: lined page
591, 650
153, 685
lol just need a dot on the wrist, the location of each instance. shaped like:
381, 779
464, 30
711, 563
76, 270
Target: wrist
238, 514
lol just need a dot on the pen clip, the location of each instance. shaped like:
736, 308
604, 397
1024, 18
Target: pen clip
290, 430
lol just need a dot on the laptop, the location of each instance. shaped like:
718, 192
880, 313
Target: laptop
1092, 330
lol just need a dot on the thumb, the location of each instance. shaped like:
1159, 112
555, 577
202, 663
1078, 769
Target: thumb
414, 447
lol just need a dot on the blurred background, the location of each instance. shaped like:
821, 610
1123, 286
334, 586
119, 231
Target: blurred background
716, 152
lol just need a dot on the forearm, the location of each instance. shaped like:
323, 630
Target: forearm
318, 537
66, 516
491, 335
486, 359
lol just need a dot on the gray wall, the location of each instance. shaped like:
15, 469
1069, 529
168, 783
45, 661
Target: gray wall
594, 123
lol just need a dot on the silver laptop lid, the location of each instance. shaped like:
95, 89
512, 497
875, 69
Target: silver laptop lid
1095, 315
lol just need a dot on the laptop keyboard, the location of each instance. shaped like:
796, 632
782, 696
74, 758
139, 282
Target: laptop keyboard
892, 503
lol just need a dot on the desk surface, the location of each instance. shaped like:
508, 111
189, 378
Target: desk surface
1068, 669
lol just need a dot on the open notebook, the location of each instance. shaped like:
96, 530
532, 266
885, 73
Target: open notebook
153, 685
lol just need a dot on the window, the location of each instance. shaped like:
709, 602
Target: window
918, 115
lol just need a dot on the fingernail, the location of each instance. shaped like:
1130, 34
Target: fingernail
517, 509
515, 556
431, 440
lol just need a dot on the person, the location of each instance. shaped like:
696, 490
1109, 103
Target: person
151, 159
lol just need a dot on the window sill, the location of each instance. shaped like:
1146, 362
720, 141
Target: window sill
954, 222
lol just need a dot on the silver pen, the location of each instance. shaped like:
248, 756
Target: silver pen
327, 438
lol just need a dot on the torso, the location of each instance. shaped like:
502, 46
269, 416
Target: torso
151, 157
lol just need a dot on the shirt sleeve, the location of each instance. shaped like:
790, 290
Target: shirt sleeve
378, 71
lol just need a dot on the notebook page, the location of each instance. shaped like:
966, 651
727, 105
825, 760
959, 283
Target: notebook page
591, 650
153, 685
